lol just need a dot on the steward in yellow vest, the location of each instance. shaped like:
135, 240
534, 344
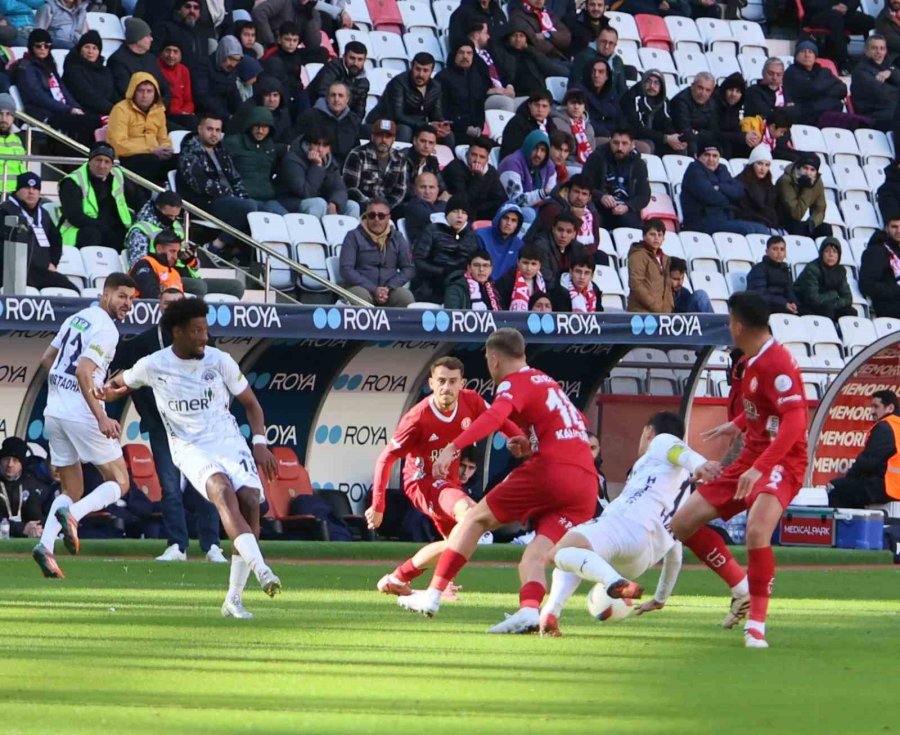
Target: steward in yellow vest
10, 145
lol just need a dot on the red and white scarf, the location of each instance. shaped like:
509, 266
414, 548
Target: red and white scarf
586, 233
894, 261
779, 97
488, 60
521, 292
543, 17
476, 294
582, 301
582, 142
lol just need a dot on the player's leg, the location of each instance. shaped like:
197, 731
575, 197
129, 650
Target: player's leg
397, 581
562, 583
594, 548
114, 486
233, 606
761, 522
72, 482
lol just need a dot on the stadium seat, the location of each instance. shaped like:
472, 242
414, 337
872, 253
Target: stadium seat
808, 138
304, 228
607, 246
856, 333
656, 173
628, 52
423, 39
59, 291
654, 31
842, 146
860, 302
108, 26
388, 49
675, 168
142, 469
359, 12
886, 325
291, 480
662, 207
340, 507
313, 256
345, 35
873, 144
660, 59
696, 242
715, 286
607, 280
496, 121
800, 250
625, 237
833, 217
683, 33
751, 66
177, 136
874, 171
672, 245
417, 15
71, 265
99, 262
717, 35
378, 79
336, 228
701, 252
626, 381
750, 36
690, 64
442, 10
385, 15
737, 280
221, 298
625, 26
333, 268
735, 251
271, 230
722, 64
557, 87
861, 218
823, 335
660, 381
851, 180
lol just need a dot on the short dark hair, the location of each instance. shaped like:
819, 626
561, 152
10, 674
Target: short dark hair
779, 117
887, 398
473, 25
531, 251
449, 362
115, 280
171, 289
181, 312
677, 265
482, 142
319, 134
424, 129
666, 422
574, 95
483, 254
541, 94
582, 259
654, 223
537, 296
423, 58
773, 239
564, 216
581, 181
208, 114
623, 130
356, 47
289, 29
750, 309
562, 137
376, 200
508, 342
611, 28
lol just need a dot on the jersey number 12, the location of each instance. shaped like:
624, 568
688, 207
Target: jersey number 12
71, 351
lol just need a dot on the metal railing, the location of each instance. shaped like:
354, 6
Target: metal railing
190, 209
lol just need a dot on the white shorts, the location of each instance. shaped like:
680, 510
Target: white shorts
625, 545
72, 442
232, 458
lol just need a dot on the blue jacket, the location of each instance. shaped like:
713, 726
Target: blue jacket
20, 13
33, 80
504, 252
708, 195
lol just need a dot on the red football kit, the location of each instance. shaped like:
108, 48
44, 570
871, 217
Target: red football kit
421, 435
774, 422
555, 488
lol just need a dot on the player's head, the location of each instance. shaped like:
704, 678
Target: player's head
504, 352
749, 318
664, 422
446, 381
884, 403
169, 297
467, 465
186, 321
118, 294
594, 443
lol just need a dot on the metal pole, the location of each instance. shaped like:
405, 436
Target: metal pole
15, 258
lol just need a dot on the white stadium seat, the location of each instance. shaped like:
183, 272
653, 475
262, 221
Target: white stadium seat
72, 266
337, 226
388, 50
99, 262
417, 15
886, 325
108, 26
715, 286
345, 35
684, 33
557, 87
304, 228
655, 58
271, 230
625, 237
717, 35
359, 12
841, 145
624, 25
750, 37
751, 66
496, 121
312, 255
873, 144
856, 333
423, 40
823, 335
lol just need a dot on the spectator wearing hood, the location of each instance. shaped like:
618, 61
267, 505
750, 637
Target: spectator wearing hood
801, 202
248, 72
181, 110
526, 69
309, 181
888, 194
137, 130
133, 56
759, 199
333, 113
476, 180
876, 84
694, 111
501, 240
546, 32
186, 29
44, 94
464, 89
87, 76
472, 289
812, 88
42, 237
840, 20
522, 281
268, 93
256, 155
350, 69
533, 114
285, 62
528, 175
575, 196
576, 290
21, 494
709, 196
729, 98
245, 32
771, 278
879, 269
64, 20
442, 250
418, 210
619, 181
603, 107
218, 87
822, 288
646, 110
572, 118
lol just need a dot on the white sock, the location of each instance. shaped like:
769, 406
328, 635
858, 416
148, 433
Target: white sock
103, 495
741, 589
755, 625
246, 546
587, 565
52, 527
562, 587
237, 580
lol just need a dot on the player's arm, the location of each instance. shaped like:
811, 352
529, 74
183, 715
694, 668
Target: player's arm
679, 454
790, 431
48, 358
383, 466
485, 425
257, 421
730, 428
671, 567
84, 374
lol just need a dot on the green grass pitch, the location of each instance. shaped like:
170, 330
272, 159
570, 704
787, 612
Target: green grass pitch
128, 645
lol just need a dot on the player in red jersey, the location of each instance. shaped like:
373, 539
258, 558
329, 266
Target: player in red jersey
764, 478
426, 429
555, 488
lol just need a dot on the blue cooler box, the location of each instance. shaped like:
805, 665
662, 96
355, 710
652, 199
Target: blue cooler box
859, 529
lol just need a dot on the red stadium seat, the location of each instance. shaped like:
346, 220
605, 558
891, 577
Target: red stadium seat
828, 64
812, 30
142, 469
654, 32
385, 15
481, 224
291, 480
662, 207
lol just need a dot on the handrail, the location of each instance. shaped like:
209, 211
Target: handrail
193, 209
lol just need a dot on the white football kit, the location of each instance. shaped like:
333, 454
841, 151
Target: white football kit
72, 430
193, 398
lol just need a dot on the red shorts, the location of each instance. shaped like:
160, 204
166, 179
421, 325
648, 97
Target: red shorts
554, 497
436, 499
782, 482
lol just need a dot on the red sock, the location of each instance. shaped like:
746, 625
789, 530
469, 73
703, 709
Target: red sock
407, 571
448, 567
761, 576
711, 549
531, 594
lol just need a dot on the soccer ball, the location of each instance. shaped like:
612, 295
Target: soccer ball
606, 609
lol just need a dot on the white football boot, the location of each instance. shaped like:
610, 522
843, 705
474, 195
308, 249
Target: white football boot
233, 607
269, 582
526, 620
740, 606
425, 602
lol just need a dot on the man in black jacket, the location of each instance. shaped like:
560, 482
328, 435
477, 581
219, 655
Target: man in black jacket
188, 32
533, 114
333, 113
694, 110
837, 18
350, 69
134, 56
812, 88
21, 494
879, 269
864, 483
417, 211
487, 11
876, 84
413, 99
619, 181
768, 93
420, 156
476, 181
173, 500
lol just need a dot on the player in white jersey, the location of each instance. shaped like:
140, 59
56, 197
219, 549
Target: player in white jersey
193, 385
77, 426
635, 530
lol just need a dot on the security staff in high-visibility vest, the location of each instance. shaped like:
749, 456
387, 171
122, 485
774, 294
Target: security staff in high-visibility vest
156, 271
10, 145
875, 475
93, 204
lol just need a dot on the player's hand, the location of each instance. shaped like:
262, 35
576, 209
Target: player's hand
109, 427
265, 459
109, 392
441, 467
746, 483
649, 606
519, 446
729, 428
373, 518
707, 472
33, 529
